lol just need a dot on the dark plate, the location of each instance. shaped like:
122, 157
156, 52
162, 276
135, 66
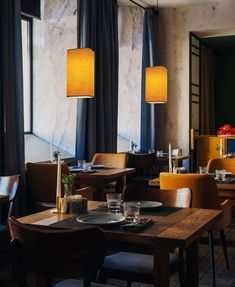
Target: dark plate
100, 219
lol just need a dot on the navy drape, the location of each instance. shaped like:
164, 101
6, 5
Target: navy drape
97, 118
148, 111
11, 93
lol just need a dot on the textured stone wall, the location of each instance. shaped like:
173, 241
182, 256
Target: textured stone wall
175, 25
54, 115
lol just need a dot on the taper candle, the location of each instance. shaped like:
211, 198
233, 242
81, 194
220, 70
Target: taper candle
220, 147
58, 185
170, 159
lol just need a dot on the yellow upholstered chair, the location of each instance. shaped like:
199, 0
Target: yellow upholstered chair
221, 163
115, 160
204, 195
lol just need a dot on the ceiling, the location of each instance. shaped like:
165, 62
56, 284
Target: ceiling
168, 3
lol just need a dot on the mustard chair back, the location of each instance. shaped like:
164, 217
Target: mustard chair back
116, 160
203, 187
221, 163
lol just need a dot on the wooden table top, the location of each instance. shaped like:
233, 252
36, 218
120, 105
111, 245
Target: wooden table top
4, 198
180, 228
226, 186
107, 173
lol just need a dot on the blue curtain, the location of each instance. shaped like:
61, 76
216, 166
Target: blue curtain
11, 93
97, 118
148, 111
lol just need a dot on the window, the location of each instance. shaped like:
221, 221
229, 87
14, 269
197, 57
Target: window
26, 29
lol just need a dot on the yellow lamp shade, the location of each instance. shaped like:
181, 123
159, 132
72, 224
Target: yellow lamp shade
156, 85
81, 73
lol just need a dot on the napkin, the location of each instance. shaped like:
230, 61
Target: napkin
137, 226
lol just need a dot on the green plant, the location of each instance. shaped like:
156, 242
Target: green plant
175, 163
217, 146
56, 154
69, 181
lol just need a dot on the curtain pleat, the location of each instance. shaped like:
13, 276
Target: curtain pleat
97, 118
11, 94
148, 111
207, 109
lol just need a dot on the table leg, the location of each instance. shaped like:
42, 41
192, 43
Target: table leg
161, 266
192, 265
99, 194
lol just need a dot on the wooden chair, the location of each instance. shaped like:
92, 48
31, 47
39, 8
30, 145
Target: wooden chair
139, 267
8, 186
221, 163
41, 183
204, 195
56, 253
115, 160
144, 163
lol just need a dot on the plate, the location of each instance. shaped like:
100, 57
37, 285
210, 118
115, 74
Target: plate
149, 204
100, 219
75, 168
96, 166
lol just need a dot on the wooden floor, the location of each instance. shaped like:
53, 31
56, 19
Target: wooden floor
224, 278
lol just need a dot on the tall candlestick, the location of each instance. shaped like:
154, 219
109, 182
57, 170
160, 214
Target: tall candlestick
51, 150
58, 185
220, 147
170, 159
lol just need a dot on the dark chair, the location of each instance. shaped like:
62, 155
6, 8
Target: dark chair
56, 253
145, 165
41, 183
8, 186
139, 267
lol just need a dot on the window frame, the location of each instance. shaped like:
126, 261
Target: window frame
30, 22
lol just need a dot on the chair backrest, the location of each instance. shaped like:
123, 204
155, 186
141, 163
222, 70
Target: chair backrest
8, 186
41, 180
58, 252
143, 163
221, 163
172, 197
203, 187
116, 160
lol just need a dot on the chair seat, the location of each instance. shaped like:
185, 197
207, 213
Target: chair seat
135, 263
77, 283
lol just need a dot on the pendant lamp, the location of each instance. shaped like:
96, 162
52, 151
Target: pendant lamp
81, 73
156, 85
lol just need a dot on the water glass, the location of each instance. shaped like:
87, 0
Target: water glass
203, 169
159, 153
114, 202
220, 174
131, 211
86, 165
80, 163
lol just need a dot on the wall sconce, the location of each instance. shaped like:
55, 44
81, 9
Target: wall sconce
156, 85
81, 73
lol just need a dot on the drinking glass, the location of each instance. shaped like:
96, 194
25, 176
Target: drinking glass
86, 165
220, 174
80, 163
203, 169
131, 211
159, 153
114, 202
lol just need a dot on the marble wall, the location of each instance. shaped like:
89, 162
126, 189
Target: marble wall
54, 115
130, 61
175, 25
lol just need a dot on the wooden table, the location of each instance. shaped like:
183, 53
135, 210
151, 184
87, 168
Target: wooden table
179, 229
103, 176
165, 160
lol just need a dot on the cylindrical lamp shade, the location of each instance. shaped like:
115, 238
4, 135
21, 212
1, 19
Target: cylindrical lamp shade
81, 73
156, 85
